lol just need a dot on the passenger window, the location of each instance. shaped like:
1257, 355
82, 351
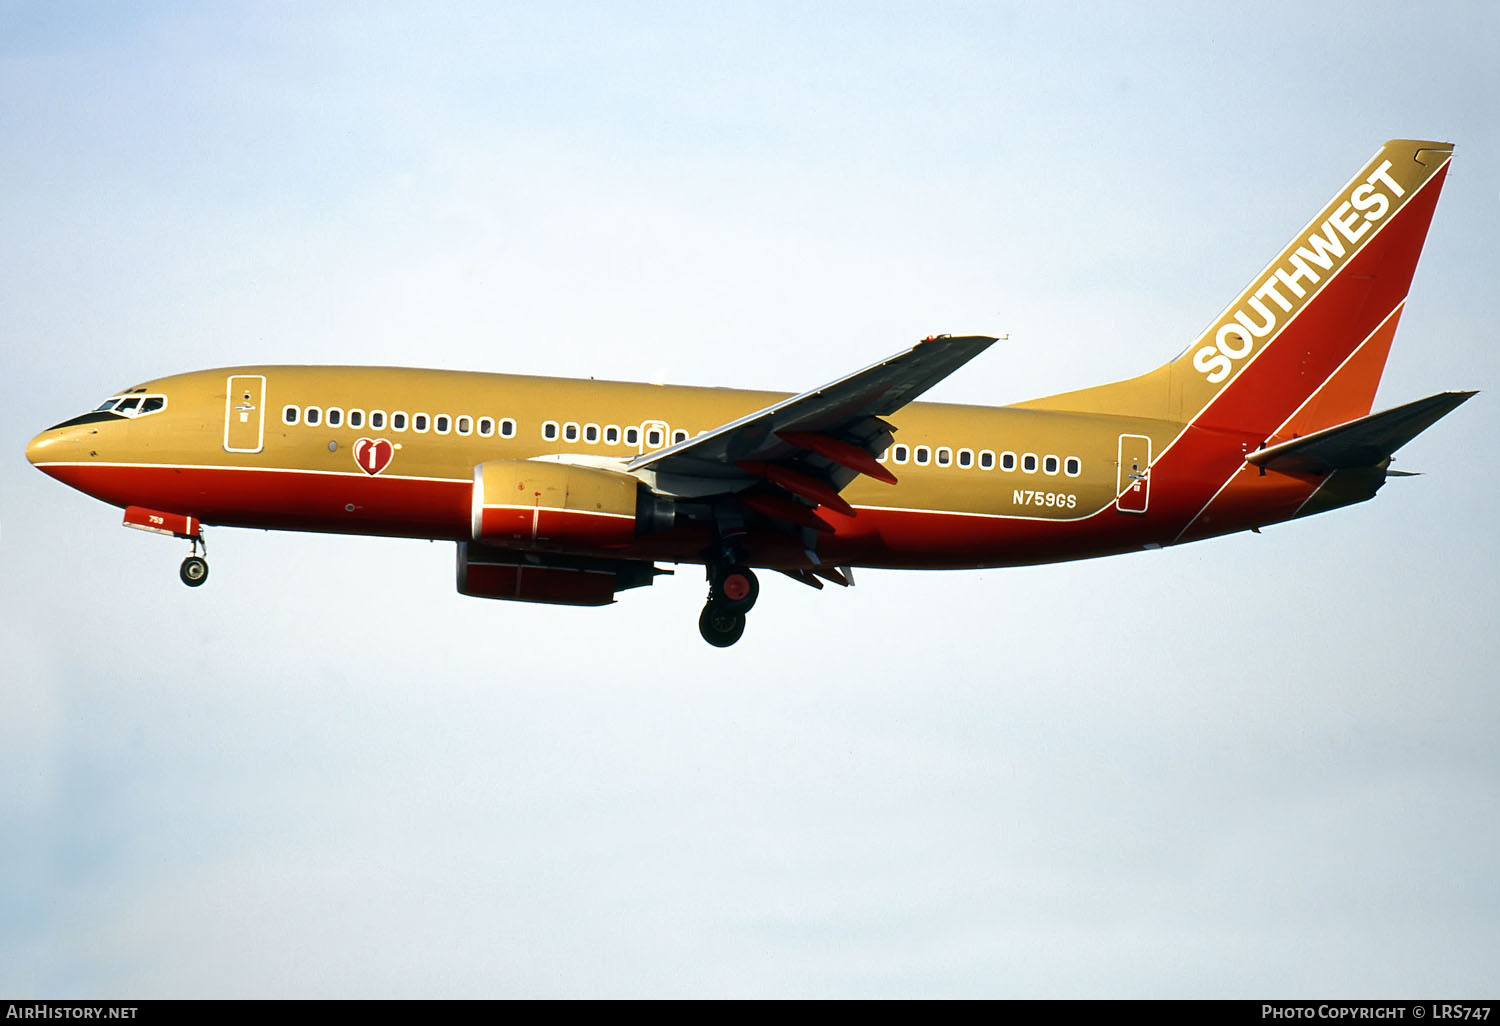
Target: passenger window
507, 428
632, 436
612, 434
965, 458
441, 423
312, 415
398, 421
986, 460
289, 414
465, 426
377, 420
549, 430
335, 416
899, 454
570, 432
1007, 461
653, 438
679, 436
923, 455
486, 427
1028, 462
1073, 466
1049, 465
944, 456
356, 418
591, 433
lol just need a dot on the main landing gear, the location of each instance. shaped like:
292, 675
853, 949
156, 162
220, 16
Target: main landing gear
732, 591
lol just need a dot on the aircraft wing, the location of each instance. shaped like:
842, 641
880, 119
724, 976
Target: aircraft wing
1358, 443
810, 446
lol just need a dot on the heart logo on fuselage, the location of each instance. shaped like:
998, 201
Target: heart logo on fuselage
373, 454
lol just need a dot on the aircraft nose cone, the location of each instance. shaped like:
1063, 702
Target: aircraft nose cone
50, 446
35, 448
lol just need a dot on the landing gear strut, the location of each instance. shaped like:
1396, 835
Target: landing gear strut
732, 591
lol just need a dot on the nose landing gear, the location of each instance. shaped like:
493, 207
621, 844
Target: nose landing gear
194, 571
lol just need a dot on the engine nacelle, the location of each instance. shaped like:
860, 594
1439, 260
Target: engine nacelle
538, 505
486, 572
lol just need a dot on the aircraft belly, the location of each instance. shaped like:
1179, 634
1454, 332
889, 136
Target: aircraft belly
284, 500
934, 540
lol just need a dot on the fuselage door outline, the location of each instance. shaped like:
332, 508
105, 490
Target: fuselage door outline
245, 413
1133, 482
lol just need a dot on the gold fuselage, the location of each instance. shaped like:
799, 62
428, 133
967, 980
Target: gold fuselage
977, 486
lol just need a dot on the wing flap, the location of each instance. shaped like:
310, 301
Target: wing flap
791, 459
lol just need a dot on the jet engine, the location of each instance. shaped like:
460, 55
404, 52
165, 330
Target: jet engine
533, 504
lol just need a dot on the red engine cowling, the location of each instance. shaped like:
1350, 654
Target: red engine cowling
536, 505
487, 572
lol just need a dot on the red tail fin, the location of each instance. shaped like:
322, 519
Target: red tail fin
1311, 331
1310, 335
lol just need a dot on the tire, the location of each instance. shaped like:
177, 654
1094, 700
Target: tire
736, 589
194, 571
719, 626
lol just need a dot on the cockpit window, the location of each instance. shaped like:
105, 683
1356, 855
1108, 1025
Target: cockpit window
133, 404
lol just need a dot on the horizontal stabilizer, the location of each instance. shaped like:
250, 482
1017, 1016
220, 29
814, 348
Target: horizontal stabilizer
1365, 442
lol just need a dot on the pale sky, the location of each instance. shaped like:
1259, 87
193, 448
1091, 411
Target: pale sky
1256, 766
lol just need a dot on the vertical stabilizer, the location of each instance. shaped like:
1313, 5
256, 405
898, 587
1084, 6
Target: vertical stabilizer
1326, 304
1311, 331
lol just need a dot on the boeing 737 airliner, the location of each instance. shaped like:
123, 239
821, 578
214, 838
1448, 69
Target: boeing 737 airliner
569, 492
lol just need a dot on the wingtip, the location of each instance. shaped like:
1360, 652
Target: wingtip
951, 339
1454, 398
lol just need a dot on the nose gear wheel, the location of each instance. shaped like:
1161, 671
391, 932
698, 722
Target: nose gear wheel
194, 571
